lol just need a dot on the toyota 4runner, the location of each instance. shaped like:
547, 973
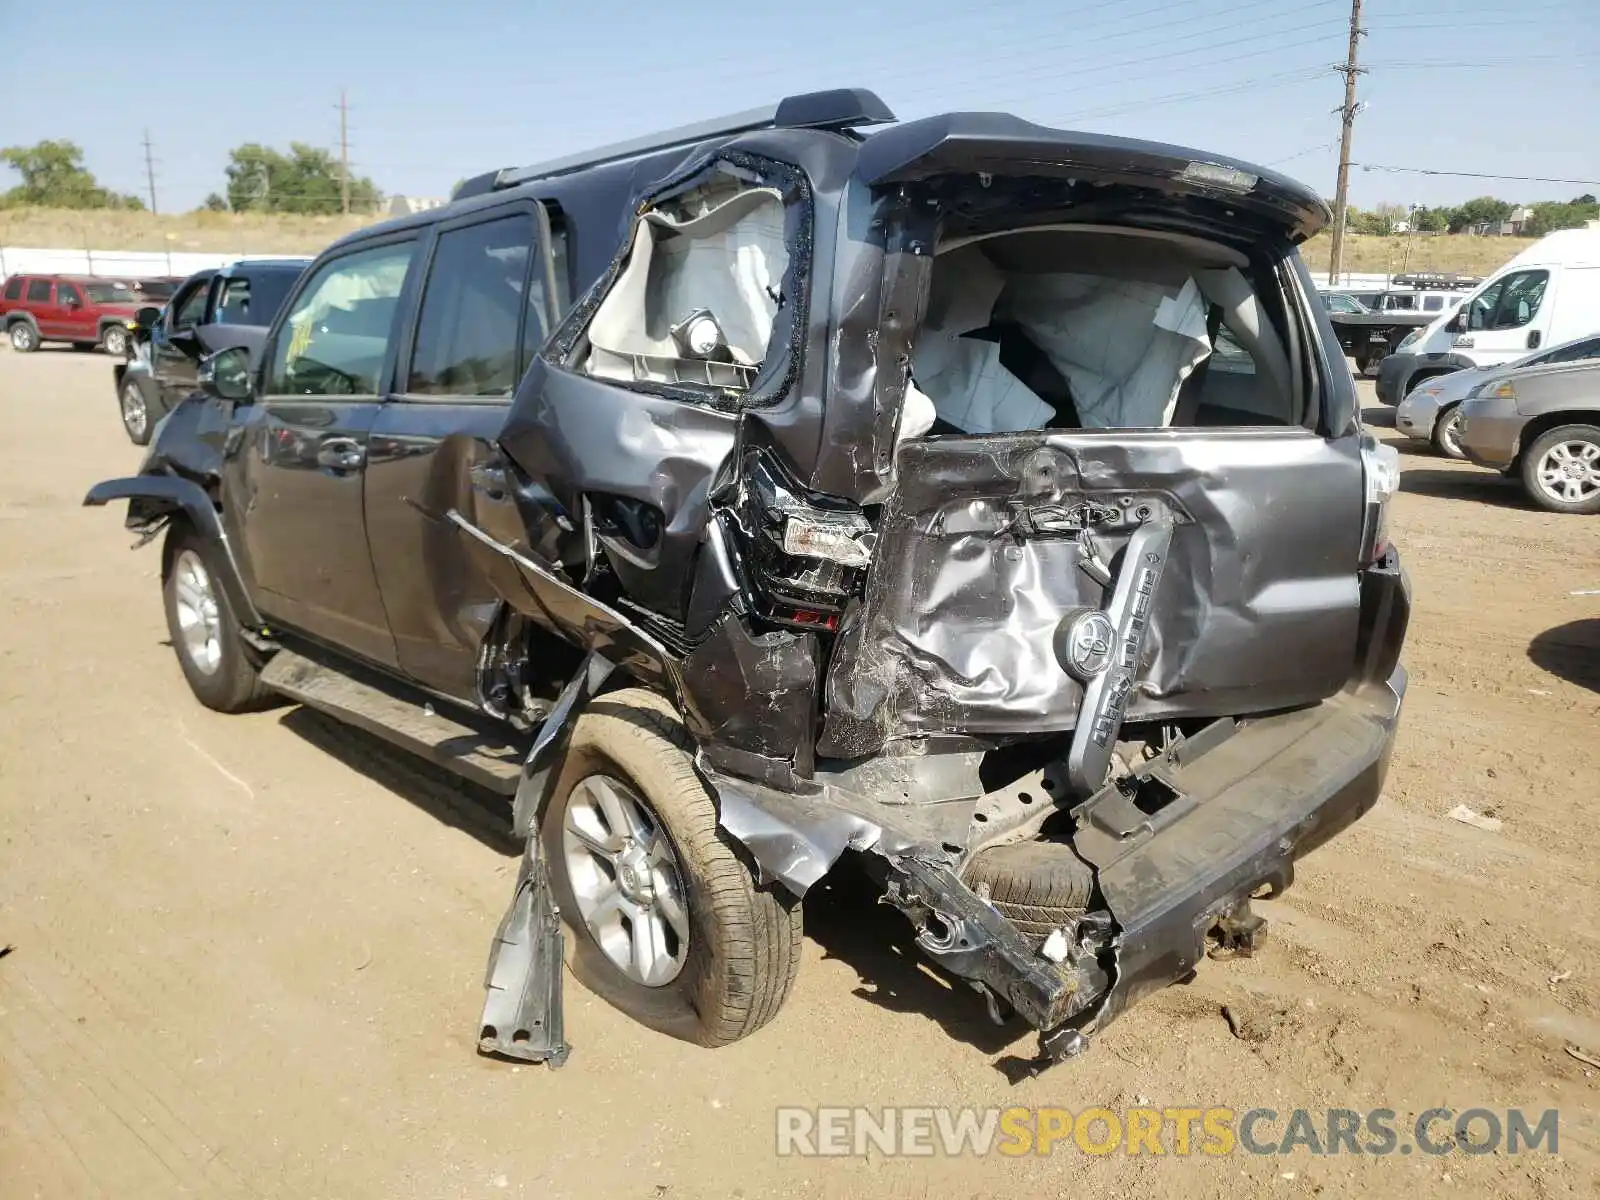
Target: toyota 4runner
984, 501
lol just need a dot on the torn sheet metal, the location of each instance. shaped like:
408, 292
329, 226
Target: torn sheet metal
979, 560
522, 1008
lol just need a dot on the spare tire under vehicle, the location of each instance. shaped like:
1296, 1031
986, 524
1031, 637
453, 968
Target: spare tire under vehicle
665, 920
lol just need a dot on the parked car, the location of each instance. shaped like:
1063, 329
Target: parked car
1548, 294
757, 492
1542, 426
1431, 412
156, 291
80, 309
210, 311
1343, 302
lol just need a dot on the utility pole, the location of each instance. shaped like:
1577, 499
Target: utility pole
150, 172
344, 153
1347, 113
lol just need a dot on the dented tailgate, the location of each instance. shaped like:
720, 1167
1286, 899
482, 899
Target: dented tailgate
993, 549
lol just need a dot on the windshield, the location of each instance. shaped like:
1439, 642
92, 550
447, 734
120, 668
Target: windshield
109, 293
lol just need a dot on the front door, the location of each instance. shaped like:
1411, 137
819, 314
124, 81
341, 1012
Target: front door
76, 321
1508, 318
295, 477
483, 314
174, 345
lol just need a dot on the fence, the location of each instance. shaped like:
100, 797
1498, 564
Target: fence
111, 264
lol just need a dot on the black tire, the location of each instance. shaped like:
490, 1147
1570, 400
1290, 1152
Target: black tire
24, 337
114, 340
1038, 886
138, 415
743, 948
232, 684
1446, 433
1362, 363
1585, 439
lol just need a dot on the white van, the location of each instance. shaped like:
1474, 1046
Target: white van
1549, 293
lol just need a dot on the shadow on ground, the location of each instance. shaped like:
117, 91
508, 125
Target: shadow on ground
1467, 483
843, 916
1570, 652
441, 794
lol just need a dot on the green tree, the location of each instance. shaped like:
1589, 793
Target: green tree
1475, 212
214, 203
53, 176
1431, 220
305, 180
1552, 215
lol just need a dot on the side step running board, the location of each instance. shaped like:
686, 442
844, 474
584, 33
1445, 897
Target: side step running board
411, 724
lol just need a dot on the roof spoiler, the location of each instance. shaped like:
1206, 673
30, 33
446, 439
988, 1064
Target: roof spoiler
837, 109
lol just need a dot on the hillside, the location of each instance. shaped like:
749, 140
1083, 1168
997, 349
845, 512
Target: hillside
282, 234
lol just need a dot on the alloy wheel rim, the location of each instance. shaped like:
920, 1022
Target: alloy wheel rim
1450, 431
115, 341
199, 620
134, 414
626, 880
21, 336
1569, 472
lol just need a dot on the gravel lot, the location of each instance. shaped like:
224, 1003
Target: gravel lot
248, 950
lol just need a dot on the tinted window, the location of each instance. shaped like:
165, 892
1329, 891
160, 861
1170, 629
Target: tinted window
472, 310
13, 287
1432, 303
110, 293
1577, 352
67, 294
268, 291
39, 291
334, 341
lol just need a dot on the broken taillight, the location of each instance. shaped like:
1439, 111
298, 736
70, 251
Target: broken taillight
807, 552
1380, 465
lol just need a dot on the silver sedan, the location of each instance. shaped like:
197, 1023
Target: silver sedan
1431, 411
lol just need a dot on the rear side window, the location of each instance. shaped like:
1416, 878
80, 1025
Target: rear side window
14, 287
233, 303
336, 338
1577, 352
474, 307
1432, 303
267, 290
39, 291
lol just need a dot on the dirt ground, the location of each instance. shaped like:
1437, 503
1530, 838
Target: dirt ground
246, 956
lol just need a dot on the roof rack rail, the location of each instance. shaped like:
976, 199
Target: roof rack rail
837, 109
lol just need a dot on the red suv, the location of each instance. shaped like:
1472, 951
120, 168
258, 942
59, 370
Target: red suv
80, 309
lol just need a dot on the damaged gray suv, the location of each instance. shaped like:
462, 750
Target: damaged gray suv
985, 502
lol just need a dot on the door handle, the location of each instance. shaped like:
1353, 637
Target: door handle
1534, 338
340, 454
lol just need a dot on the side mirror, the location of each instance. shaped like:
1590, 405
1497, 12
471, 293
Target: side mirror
71, 302
144, 319
225, 375
1458, 323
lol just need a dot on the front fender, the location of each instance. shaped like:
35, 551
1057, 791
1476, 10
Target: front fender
155, 498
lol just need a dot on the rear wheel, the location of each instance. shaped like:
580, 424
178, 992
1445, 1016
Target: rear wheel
666, 921
1447, 433
24, 337
1561, 469
217, 662
114, 340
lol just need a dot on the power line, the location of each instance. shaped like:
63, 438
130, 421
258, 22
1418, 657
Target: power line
1477, 175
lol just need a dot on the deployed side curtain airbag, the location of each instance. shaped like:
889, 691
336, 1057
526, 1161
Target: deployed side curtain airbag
729, 260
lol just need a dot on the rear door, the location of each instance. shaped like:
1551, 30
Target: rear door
41, 302
485, 309
295, 480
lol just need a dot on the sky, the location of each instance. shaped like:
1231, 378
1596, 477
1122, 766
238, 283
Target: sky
438, 92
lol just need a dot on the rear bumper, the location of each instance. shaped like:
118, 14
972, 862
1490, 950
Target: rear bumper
1246, 811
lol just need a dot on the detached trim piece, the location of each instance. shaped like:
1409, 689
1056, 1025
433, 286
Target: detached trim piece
522, 1013
169, 494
